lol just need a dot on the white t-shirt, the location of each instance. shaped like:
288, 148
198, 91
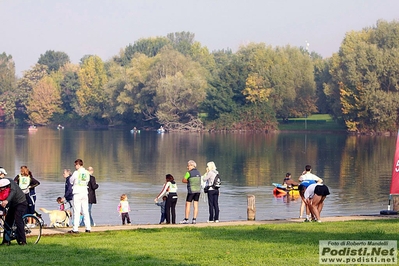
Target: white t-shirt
309, 192
309, 176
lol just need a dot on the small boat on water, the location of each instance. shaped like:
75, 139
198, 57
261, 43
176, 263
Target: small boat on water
135, 130
32, 128
282, 190
161, 130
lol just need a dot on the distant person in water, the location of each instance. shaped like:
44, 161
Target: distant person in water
288, 181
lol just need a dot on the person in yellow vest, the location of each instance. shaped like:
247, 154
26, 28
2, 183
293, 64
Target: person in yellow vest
27, 183
79, 180
170, 190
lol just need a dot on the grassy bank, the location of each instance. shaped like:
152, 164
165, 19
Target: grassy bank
317, 122
268, 244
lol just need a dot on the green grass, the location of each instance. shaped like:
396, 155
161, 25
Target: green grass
316, 122
268, 244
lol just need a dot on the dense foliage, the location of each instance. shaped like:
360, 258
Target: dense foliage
177, 82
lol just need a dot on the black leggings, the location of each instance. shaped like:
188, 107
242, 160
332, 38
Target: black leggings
15, 213
170, 207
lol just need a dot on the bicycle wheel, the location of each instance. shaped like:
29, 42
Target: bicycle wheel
1, 228
33, 228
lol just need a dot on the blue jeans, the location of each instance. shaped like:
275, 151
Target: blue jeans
91, 218
163, 217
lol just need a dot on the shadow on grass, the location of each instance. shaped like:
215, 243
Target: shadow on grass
235, 245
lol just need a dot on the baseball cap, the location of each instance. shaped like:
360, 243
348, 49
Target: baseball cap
3, 171
4, 182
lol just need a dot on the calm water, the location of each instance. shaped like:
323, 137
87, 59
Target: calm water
357, 169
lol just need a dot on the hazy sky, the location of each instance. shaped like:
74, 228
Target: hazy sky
78, 27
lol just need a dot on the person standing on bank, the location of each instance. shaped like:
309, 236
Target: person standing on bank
193, 180
170, 189
79, 180
213, 193
92, 186
314, 195
68, 195
27, 183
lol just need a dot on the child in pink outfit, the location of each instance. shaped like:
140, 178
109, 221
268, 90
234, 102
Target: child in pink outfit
61, 203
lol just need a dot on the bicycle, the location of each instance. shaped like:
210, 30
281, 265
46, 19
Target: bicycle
32, 224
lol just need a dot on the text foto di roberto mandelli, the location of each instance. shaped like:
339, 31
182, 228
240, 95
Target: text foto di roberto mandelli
360, 251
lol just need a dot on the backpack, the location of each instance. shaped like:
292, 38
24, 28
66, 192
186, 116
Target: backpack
217, 182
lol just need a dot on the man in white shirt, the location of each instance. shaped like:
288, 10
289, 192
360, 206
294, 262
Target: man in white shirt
79, 181
307, 175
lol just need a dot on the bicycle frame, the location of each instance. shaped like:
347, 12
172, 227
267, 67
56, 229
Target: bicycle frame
32, 227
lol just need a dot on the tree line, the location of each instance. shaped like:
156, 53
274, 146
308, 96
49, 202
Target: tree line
176, 82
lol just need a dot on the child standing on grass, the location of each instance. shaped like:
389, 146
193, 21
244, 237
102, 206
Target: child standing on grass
124, 209
162, 205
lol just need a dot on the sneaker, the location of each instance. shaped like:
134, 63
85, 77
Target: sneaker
216, 221
210, 221
319, 221
194, 221
87, 231
73, 232
185, 221
307, 220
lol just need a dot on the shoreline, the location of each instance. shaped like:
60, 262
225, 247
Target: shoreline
104, 228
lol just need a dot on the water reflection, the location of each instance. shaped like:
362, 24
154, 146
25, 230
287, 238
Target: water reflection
357, 169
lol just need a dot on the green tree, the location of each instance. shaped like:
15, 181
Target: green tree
175, 89
182, 41
7, 73
365, 73
91, 95
147, 46
124, 87
25, 87
284, 74
225, 85
69, 85
7, 88
53, 60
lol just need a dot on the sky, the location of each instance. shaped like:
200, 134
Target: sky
29, 28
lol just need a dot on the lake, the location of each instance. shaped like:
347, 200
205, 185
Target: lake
357, 169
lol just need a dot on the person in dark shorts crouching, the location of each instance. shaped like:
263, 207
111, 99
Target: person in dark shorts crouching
315, 195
